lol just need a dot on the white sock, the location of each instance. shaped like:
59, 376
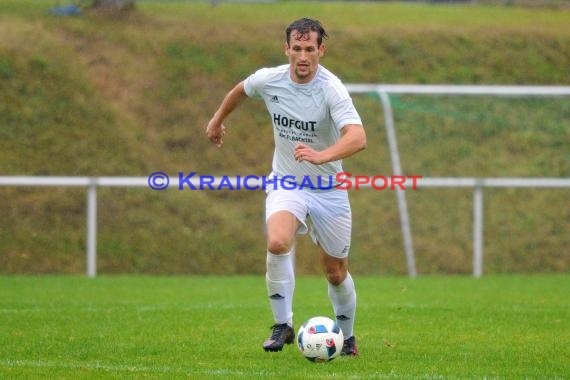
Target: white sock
280, 280
343, 298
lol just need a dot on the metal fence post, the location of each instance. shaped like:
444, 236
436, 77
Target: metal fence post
478, 230
92, 228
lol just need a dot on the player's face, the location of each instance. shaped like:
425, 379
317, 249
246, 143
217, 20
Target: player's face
304, 54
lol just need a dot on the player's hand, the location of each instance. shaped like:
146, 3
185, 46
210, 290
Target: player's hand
215, 133
306, 153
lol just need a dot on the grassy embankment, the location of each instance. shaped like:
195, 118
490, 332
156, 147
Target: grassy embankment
95, 96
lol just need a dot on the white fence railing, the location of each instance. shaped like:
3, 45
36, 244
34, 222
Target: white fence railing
383, 91
92, 183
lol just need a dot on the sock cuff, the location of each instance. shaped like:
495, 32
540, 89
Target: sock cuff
280, 267
279, 257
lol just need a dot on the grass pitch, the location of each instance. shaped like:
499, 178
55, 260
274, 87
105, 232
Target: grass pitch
512, 327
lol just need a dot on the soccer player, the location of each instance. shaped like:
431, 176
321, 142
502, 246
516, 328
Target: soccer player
315, 126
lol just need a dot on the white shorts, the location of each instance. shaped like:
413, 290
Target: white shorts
329, 212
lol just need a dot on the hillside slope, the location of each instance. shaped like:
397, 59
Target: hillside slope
128, 96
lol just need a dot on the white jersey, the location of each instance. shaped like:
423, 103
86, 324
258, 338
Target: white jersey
312, 113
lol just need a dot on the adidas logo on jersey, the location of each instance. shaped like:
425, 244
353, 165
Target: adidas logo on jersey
274, 99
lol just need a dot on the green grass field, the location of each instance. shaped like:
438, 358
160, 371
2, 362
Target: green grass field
511, 327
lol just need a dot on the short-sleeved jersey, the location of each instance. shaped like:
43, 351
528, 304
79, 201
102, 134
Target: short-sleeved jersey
312, 113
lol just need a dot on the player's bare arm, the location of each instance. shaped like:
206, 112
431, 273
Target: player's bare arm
216, 129
353, 140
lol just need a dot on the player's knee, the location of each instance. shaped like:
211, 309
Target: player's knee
278, 245
336, 276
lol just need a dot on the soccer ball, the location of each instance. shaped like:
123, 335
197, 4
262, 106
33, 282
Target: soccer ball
320, 339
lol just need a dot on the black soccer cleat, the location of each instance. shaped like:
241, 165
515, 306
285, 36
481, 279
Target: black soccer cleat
349, 347
282, 334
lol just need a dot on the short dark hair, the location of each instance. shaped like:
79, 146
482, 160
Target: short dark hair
304, 26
